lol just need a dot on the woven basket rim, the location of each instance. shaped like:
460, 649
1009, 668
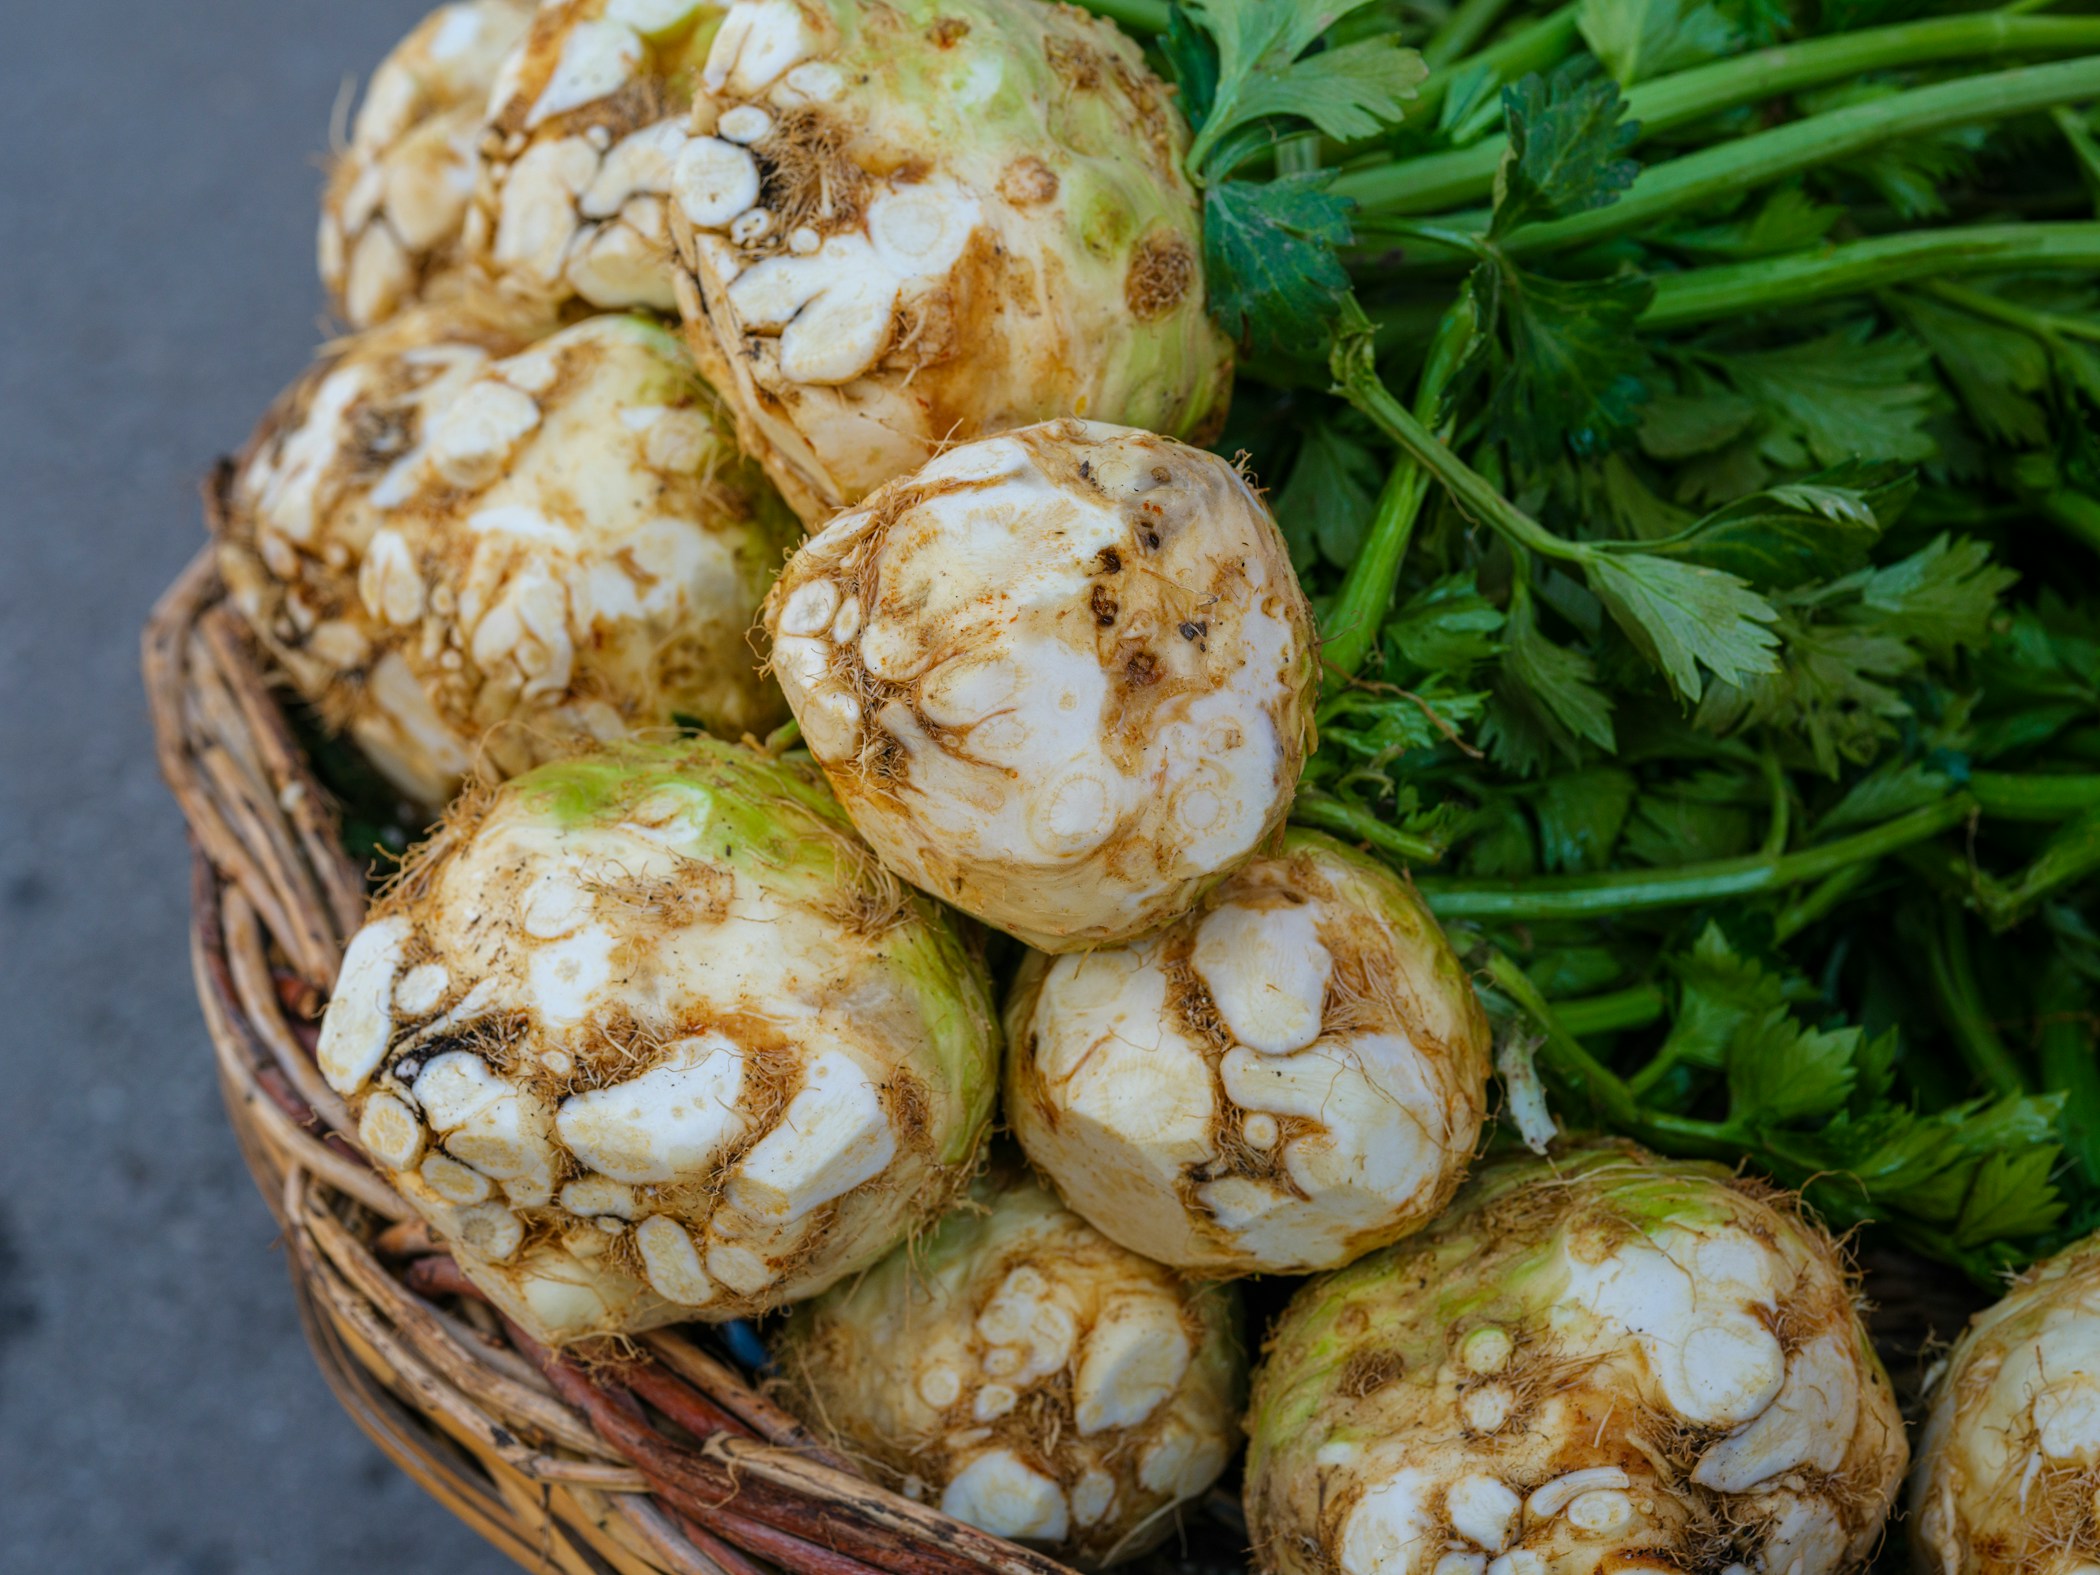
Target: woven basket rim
663, 1461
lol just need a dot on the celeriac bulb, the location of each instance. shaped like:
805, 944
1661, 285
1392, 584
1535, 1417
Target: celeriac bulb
648, 1035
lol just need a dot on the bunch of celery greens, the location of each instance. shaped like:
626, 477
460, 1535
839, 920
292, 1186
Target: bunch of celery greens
1683, 413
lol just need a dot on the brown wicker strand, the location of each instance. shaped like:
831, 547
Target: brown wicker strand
169, 679
428, 1385
523, 1409
312, 819
684, 1549
732, 1504
785, 1548
732, 1558
456, 1478
288, 1124
263, 1007
726, 1388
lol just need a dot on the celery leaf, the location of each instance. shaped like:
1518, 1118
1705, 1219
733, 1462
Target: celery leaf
1685, 617
1573, 374
1269, 256
1568, 137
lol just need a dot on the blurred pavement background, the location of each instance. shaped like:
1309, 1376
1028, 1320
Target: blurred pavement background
158, 1411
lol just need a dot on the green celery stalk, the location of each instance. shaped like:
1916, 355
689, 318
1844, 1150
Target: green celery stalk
1628, 891
1434, 182
1139, 16
1704, 295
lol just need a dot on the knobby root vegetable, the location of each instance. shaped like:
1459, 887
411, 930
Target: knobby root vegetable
1603, 1362
468, 546
2008, 1473
1028, 1375
904, 226
398, 193
648, 1035
1290, 1076
1060, 678
582, 137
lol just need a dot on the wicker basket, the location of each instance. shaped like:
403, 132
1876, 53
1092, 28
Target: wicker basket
662, 1461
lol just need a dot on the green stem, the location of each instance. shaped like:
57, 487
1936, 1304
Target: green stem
1596, 1083
1819, 900
2043, 325
1140, 16
1951, 874
1634, 1007
1728, 169
1777, 831
2086, 150
2075, 514
1961, 1004
1650, 1073
1528, 49
1627, 891
1433, 182
2064, 1050
1703, 295
1298, 155
1359, 608
1357, 374
2007, 795
1463, 28
1576, 1066
1322, 813
2067, 858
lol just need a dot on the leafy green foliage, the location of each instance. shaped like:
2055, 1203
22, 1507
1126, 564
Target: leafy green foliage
1447, 627
1265, 71
1434, 647
1568, 138
1786, 535
1895, 787
1817, 1100
1846, 646
1940, 598
1911, 175
1687, 618
1997, 371
1326, 503
2038, 678
1638, 39
1580, 815
1378, 723
1848, 395
1249, 71
1546, 698
1787, 220
1783, 633
1779, 1071
1574, 361
1269, 256
1684, 823
1975, 1176
1192, 60
1682, 426
1571, 364
1720, 992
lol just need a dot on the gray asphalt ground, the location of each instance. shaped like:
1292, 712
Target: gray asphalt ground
159, 1414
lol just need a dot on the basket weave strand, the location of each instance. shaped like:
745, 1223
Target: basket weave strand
662, 1461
